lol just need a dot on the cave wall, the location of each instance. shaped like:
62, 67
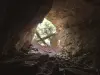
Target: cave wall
18, 17
69, 17
78, 25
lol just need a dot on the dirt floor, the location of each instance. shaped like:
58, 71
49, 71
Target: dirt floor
37, 64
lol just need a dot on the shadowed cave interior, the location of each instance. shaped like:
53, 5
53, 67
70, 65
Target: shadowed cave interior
50, 37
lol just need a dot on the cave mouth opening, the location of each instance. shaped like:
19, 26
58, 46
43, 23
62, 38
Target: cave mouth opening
45, 39
44, 33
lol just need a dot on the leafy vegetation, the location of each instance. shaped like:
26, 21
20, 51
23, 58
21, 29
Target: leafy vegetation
45, 32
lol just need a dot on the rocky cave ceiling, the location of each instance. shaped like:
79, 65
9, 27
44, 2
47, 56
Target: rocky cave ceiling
74, 21
69, 12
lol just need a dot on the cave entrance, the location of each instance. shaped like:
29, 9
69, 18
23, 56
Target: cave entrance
45, 39
45, 33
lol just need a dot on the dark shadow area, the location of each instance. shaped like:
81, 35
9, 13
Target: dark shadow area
78, 22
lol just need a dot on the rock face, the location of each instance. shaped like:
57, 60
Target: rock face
72, 18
18, 17
78, 25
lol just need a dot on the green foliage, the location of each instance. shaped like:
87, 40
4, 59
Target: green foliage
45, 29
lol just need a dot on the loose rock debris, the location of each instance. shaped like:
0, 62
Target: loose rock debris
38, 64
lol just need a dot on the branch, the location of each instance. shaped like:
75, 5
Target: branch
40, 37
46, 37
